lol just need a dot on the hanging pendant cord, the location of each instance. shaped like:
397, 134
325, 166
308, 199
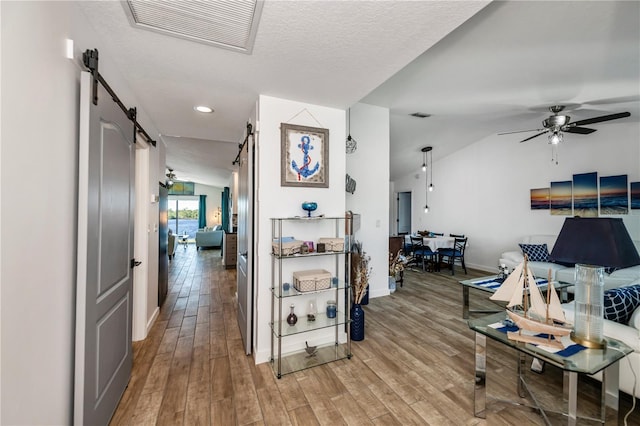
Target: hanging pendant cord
90, 60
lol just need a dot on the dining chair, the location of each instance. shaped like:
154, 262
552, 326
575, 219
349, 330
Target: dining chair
451, 255
406, 246
456, 235
422, 254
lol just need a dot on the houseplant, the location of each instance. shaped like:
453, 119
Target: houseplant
397, 264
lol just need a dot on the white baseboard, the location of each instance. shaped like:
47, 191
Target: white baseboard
152, 320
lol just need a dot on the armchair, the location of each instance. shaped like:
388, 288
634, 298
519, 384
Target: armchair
171, 245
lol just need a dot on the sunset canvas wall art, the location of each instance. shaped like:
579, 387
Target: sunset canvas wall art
614, 196
585, 194
561, 198
540, 199
635, 195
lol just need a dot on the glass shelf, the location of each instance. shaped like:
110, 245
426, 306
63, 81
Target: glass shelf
292, 292
303, 326
315, 253
327, 332
297, 361
310, 219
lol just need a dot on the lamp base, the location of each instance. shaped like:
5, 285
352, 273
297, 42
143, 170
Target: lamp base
588, 343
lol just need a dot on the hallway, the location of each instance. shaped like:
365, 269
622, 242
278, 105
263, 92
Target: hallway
182, 372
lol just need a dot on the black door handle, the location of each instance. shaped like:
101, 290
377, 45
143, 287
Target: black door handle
134, 263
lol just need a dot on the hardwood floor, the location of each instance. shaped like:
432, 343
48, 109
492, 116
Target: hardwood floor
415, 366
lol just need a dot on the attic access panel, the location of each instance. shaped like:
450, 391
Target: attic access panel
227, 24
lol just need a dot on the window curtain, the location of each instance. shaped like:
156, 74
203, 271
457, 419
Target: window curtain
202, 212
225, 209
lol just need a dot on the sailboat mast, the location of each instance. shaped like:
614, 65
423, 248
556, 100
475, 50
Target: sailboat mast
526, 285
549, 289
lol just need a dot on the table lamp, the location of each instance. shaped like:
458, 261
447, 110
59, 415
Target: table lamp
592, 244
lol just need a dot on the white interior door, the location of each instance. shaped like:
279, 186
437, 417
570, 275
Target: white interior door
103, 356
144, 297
245, 247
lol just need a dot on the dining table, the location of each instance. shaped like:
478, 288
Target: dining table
434, 243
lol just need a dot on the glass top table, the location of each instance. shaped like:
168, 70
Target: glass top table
490, 284
585, 361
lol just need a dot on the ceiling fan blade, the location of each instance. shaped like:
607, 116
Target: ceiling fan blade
579, 130
600, 119
521, 131
534, 136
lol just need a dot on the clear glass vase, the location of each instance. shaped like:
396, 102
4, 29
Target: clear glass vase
589, 306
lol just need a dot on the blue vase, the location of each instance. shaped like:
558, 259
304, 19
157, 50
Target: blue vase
357, 323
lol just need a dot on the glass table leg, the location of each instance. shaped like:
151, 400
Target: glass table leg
480, 389
610, 394
570, 396
522, 361
465, 302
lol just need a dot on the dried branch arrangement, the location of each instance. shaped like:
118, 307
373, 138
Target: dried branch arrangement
361, 271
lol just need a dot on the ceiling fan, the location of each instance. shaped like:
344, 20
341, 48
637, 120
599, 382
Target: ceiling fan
556, 124
171, 177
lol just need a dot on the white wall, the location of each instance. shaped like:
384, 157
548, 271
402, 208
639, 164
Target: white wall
214, 200
369, 166
274, 200
483, 190
40, 92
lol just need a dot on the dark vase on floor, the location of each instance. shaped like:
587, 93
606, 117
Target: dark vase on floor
357, 322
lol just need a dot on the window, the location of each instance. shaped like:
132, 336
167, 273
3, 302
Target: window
183, 215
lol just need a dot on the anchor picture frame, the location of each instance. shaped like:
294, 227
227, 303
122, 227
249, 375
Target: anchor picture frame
304, 156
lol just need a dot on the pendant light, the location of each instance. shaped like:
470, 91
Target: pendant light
351, 144
427, 150
171, 177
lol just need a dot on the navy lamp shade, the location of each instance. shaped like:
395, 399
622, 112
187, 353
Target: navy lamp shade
595, 241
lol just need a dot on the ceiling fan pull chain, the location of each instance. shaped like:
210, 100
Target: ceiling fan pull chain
554, 154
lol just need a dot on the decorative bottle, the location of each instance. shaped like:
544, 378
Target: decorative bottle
292, 319
331, 309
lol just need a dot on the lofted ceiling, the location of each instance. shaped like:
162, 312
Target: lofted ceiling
478, 69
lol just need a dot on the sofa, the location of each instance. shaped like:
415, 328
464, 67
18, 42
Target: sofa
209, 237
559, 272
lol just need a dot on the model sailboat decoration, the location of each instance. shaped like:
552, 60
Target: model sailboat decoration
537, 316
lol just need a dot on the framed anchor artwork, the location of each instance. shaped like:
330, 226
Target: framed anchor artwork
304, 156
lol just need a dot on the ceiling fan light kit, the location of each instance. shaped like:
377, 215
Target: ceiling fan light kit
556, 125
555, 137
171, 177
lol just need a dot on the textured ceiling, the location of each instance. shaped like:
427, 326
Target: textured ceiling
329, 53
503, 68
484, 70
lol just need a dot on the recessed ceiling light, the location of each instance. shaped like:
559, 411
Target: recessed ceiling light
202, 108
